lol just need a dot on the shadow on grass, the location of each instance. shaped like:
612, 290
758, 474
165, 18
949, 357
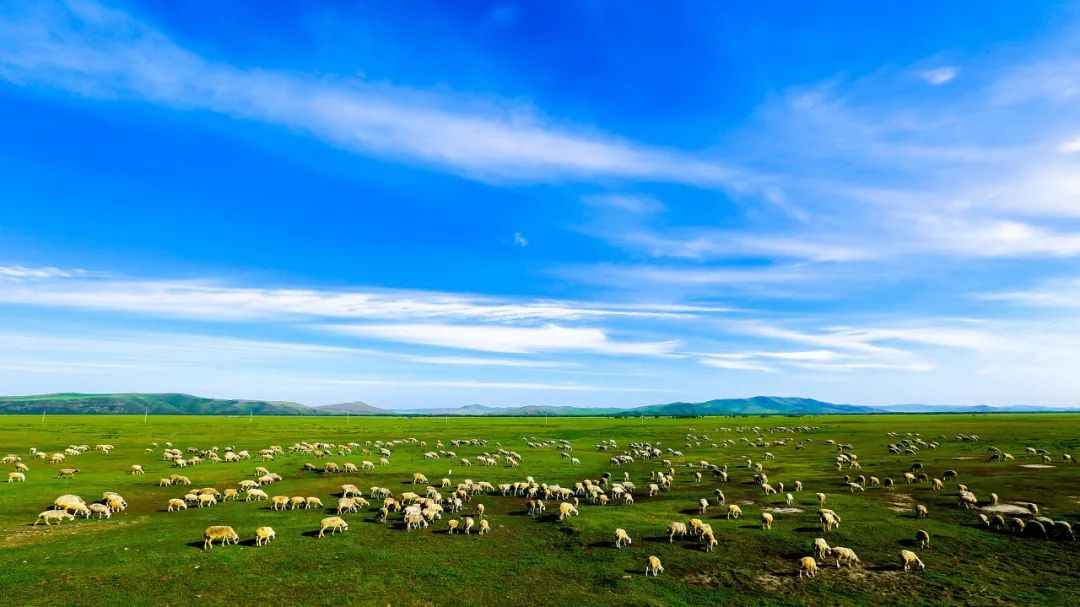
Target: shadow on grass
602, 544
808, 530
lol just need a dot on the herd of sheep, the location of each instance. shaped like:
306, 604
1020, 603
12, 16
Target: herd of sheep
426, 503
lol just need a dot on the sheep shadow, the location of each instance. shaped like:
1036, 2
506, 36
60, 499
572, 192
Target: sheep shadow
656, 538
881, 568
909, 543
808, 530
749, 526
602, 544
690, 511
198, 544
249, 543
311, 533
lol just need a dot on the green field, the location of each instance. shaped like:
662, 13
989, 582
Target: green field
146, 556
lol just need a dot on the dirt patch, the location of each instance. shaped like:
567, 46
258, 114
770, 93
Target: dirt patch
1037, 466
786, 510
701, 579
1006, 509
769, 582
901, 502
745, 502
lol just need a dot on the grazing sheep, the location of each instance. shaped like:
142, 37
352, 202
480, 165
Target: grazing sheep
790, 499
136, 469
703, 506
766, 520
207, 499
821, 548
1064, 529
921, 511
256, 495
719, 494
177, 504
469, 524
297, 501
937, 484
101, 510
808, 566
984, 521
419, 479
278, 502
829, 521
923, 538
998, 522
674, 529
1034, 509
798, 486
54, 515
67, 472
821, 499
621, 537
909, 559
452, 526
334, 523
480, 511
994, 499
230, 494
219, 532
16, 477
845, 555
314, 502
485, 527
567, 509
653, 566
733, 511
263, 535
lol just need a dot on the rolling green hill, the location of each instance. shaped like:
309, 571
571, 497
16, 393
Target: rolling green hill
155, 404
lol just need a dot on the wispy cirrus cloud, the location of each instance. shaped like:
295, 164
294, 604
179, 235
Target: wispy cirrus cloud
512, 340
100, 53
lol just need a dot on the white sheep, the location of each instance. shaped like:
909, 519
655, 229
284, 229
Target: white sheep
621, 537
807, 566
766, 520
567, 509
923, 538
908, 559
263, 535
334, 523
733, 511
821, 548
219, 532
177, 504
16, 477
845, 555
674, 529
54, 515
653, 565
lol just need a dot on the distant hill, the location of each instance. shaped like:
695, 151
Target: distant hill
186, 404
355, 408
757, 405
155, 404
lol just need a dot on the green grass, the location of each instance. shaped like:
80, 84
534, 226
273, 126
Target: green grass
146, 556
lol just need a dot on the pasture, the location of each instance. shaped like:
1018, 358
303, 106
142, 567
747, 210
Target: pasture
147, 556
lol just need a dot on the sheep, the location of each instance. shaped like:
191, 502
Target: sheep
621, 537
937, 484
653, 566
256, 495
921, 511
1034, 509
923, 538
845, 555
469, 524
567, 509
297, 501
790, 499
263, 535
733, 511
419, 479
766, 520
798, 486
703, 506
452, 526
278, 502
994, 499
230, 494
676, 529
998, 522
101, 510
334, 523
829, 521
206, 499
383, 514
821, 548
68, 502
808, 566
1064, 529
53, 515
480, 511
485, 527
177, 504
314, 502
984, 520
67, 472
821, 499
16, 477
909, 559
219, 532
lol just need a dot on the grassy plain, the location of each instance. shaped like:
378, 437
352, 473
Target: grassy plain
146, 556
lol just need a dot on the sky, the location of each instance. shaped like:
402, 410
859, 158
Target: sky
425, 204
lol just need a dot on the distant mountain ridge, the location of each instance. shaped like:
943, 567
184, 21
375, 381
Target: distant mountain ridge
186, 404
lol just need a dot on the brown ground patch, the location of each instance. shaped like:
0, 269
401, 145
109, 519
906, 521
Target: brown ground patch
1037, 466
1006, 509
786, 510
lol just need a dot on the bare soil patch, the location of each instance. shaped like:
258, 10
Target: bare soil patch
1037, 466
1007, 509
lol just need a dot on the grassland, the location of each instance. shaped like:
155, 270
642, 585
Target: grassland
146, 556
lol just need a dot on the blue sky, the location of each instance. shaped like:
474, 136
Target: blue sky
586, 203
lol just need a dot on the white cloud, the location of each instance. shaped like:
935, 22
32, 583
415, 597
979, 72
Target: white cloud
511, 340
23, 272
1069, 146
939, 76
99, 53
520, 241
